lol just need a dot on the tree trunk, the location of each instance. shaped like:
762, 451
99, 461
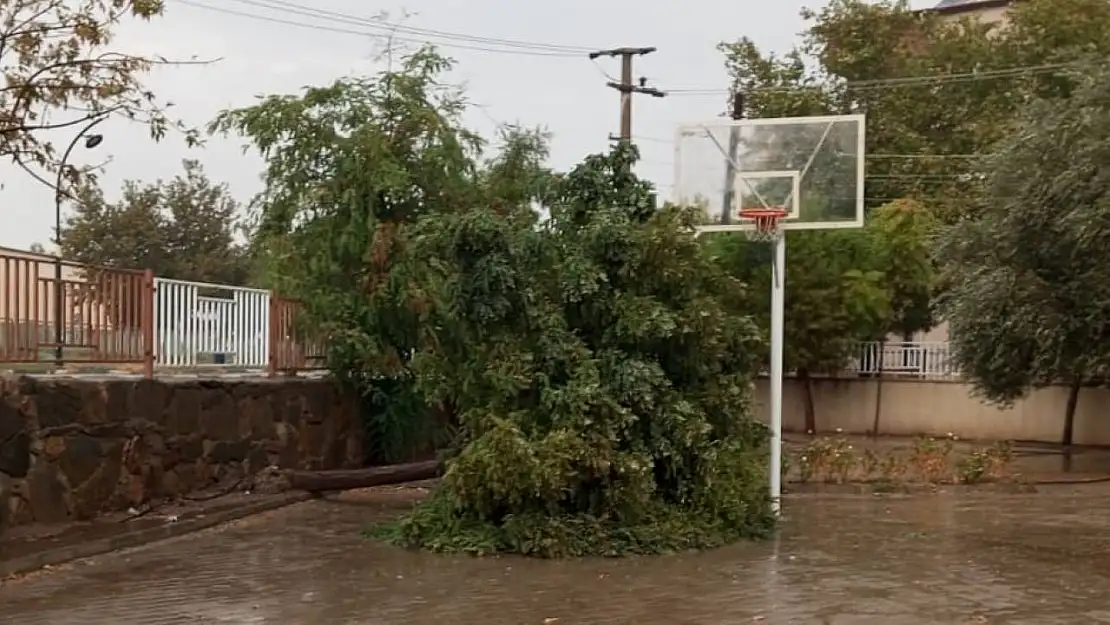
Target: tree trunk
878, 390
345, 479
807, 396
1069, 412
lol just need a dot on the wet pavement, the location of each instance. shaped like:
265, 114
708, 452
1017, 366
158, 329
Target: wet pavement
840, 560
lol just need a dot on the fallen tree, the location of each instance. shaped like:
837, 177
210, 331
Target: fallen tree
346, 479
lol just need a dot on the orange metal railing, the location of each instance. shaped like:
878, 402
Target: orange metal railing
62, 312
291, 348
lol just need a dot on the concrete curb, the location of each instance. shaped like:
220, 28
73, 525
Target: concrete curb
128, 540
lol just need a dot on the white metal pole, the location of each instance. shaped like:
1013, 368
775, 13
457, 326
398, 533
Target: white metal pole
778, 312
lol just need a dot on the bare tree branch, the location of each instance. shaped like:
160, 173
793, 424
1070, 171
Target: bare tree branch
54, 58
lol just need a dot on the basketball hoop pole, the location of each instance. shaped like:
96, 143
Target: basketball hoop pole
778, 314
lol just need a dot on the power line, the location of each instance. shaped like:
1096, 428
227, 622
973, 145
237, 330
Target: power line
374, 35
892, 83
336, 16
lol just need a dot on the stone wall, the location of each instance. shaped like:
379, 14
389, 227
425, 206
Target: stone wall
73, 448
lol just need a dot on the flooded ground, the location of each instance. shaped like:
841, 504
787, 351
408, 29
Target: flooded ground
944, 559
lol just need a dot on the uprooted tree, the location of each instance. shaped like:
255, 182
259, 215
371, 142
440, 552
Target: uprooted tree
1028, 282
60, 73
596, 380
601, 382
350, 167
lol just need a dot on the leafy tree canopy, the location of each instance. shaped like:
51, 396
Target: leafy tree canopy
1029, 286
350, 167
184, 228
937, 93
60, 72
598, 388
902, 236
602, 382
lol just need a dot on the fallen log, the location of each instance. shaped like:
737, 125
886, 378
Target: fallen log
346, 479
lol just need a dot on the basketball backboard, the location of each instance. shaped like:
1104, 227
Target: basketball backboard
812, 167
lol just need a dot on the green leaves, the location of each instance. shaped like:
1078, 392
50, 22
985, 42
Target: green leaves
182, 229
1028, 281
596, 372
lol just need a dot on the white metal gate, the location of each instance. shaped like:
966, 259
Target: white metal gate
199, 324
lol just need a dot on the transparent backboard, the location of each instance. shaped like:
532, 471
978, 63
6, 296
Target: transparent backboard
812, 167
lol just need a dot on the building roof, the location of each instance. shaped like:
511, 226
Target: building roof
967, 6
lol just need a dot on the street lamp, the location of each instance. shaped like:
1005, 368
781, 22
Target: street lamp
91, 141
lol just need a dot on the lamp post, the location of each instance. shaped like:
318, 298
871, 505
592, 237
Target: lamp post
91, 141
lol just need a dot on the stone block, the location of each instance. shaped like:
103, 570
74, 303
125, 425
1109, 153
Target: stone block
182, 412
79, 458
219, 419
15, 441
5, 497
227, 452
66, 402
97, 492
46, 494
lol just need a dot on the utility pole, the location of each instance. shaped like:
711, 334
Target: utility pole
737, 113
626, 86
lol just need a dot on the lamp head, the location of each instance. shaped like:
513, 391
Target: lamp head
92, 141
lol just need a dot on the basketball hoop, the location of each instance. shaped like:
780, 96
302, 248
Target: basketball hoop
766, 223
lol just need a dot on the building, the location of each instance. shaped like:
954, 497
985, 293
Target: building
988, 11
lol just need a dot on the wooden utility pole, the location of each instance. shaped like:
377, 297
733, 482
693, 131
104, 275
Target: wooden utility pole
627, 86
730, 167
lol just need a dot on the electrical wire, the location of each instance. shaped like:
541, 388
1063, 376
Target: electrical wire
375, 35
874, 156
897, 82
348, 18
601, 70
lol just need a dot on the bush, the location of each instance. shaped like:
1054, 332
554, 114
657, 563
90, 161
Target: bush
601, 380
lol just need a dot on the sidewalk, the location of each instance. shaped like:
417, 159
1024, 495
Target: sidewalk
31, 547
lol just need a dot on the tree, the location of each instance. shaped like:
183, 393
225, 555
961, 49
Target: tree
60, 73
602, 384
834, 298
936, 93
902, 233
1028, 286
183, 229
350, 166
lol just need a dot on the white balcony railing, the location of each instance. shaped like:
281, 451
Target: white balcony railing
199, 324
905, 359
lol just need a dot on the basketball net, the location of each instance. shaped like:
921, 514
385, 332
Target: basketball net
766, 221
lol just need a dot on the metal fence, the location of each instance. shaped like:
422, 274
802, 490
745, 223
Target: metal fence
199, 324
55, 313
60, 312
905, 359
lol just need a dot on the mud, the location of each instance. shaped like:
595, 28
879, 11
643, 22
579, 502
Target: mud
839, 560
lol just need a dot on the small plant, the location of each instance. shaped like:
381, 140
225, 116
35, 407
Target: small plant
974, 467
868, 463
931, 459
844, 461
892, 469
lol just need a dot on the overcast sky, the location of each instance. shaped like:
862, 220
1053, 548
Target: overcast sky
566, 93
